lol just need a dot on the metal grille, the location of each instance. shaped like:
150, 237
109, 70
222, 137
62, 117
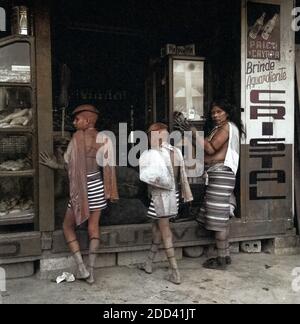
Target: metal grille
14, 144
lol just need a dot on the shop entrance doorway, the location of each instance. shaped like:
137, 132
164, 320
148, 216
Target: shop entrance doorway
109, 48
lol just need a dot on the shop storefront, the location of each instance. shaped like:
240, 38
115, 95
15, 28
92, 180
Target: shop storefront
139, 63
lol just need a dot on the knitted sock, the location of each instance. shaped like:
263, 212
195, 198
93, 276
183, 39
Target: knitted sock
94, 246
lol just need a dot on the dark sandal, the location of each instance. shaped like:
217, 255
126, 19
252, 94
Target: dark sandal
215, 264
228, 260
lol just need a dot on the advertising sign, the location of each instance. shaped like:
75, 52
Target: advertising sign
268, 102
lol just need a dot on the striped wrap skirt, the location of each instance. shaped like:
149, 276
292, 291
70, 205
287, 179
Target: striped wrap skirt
96, 195
215, 213
152, 213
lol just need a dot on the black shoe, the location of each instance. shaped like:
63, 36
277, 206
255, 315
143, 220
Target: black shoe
215, 264
228, 260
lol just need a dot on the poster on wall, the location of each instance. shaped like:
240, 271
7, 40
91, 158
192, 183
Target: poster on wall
263, 31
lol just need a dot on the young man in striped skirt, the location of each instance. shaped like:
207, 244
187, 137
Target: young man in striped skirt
89, 189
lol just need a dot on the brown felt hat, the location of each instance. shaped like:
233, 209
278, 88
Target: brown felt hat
83, 108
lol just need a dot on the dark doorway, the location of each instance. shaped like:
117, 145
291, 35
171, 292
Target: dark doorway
108, 46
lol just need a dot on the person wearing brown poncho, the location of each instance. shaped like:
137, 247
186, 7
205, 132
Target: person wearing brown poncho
89, 189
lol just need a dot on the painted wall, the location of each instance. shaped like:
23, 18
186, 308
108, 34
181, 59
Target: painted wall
267, 96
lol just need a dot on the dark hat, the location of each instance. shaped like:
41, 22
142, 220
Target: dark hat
83, 108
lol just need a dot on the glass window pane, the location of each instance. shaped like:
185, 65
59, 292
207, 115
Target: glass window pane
15, 153
2, 20
15, 63
189, 89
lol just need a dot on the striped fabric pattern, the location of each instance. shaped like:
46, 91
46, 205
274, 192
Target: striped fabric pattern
96, 196
152, 213
215, 213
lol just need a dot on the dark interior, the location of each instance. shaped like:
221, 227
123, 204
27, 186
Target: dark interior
108, 46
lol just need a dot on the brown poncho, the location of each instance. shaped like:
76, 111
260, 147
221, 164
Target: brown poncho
81, 160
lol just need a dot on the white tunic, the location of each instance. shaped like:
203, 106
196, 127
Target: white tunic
233, 153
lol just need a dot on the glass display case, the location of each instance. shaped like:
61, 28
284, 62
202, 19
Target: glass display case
176, 83
18, 141
188, 89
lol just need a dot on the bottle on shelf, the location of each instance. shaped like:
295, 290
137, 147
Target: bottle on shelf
192, 113
268, 29
23, 21
20, 20
257, 27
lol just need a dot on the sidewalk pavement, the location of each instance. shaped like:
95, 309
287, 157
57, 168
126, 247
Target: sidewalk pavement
252, 278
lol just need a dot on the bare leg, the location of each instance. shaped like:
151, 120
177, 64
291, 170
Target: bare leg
223, 259
156, 240
221, 242
94, 235
227, 256
70, 236
167, 237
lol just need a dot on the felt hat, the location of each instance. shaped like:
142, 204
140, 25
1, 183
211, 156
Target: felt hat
88, 108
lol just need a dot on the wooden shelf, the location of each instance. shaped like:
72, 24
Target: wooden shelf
17, 219
25, 173
15, 84
26, 83
19, 130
